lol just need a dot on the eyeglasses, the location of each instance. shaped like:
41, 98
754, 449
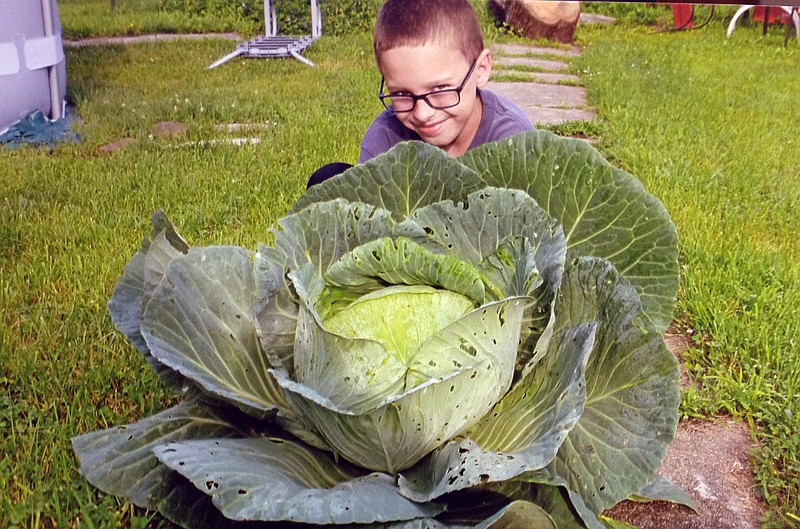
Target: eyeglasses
438, 99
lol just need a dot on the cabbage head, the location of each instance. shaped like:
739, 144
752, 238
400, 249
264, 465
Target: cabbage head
429, 342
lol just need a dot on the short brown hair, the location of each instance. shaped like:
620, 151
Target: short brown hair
414, 22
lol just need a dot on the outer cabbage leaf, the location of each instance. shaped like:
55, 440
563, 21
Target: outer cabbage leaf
411, 175
324, 232
605, 212
275, 479
523, 431
132, 291
275, 307
633, 390
662, 489
120, 461
199, 322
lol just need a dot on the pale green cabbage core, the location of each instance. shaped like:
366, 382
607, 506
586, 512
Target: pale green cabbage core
401, 318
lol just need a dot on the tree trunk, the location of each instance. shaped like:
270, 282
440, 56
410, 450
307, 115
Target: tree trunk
543, 20
498, 9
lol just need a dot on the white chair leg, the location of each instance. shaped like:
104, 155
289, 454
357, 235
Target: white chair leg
741, 11
796, 20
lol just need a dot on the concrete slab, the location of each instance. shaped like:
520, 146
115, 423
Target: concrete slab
538, 77
544, 64
591, 18
546, 104
556, 116
157, 37
541, 94
523, 49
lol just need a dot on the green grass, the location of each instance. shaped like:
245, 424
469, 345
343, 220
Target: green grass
71, 218
97, 18
708, 124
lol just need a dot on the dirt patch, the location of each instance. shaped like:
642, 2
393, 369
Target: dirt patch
711, 460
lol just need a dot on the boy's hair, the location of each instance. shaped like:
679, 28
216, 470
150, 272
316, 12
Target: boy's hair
416, 22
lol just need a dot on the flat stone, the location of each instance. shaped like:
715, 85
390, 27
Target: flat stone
591, 18
539, 77
114, 146
236, 127
522, 49
543, 64
546, 104
556, 116
157, 37
169, 129
541, 94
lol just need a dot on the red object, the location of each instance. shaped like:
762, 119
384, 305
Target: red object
682, 15
776, 14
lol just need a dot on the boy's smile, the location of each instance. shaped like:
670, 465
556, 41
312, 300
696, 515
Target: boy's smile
420, 69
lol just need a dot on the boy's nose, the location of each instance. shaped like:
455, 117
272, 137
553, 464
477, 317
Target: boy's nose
422, 110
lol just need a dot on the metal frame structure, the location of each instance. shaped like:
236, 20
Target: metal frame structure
793, 13
274, 45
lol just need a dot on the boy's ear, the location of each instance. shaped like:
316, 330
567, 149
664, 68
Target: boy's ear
483, 68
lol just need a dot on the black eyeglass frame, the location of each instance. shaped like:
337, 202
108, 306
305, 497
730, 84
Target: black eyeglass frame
383, 97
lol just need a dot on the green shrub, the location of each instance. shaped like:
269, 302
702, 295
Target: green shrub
628, 12
339, 17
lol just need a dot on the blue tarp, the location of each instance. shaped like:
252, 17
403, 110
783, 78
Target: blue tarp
36, 129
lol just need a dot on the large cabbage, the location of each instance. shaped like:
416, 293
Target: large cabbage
430, 342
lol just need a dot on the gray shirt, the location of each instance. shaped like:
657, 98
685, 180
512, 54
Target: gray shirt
501, 118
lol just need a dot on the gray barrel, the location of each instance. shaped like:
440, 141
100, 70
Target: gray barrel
33, 73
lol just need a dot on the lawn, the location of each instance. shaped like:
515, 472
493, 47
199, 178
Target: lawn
705, 122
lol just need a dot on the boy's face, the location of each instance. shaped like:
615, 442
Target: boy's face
426, 68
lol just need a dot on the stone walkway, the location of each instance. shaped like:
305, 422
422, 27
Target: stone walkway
542, 86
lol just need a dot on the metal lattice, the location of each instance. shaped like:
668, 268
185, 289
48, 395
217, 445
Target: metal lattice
274, 45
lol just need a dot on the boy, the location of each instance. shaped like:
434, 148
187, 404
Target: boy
433, 62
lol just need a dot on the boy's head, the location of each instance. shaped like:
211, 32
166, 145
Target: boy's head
418, 22
433, 61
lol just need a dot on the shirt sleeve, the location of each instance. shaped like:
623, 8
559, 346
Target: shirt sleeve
383, 134
501, 119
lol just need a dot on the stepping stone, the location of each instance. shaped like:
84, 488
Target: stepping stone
544, 64
546, 104
522, 49
591, 18
539, 77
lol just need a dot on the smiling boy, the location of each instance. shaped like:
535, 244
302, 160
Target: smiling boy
434, 66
